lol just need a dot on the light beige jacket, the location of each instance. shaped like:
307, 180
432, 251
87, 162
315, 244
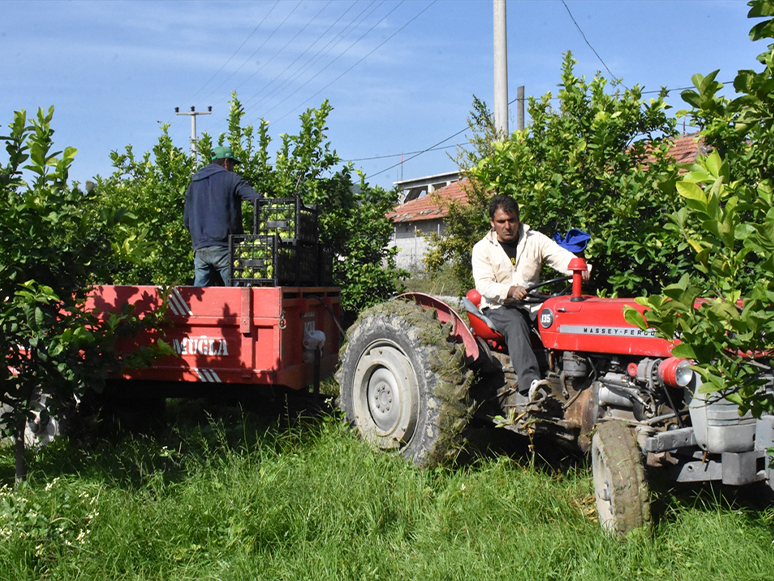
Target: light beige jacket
494, 274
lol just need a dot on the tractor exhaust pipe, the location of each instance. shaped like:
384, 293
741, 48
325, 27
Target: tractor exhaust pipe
578, 267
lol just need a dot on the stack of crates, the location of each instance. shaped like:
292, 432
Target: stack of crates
283, 249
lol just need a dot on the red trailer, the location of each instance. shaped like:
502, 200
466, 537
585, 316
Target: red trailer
279, 336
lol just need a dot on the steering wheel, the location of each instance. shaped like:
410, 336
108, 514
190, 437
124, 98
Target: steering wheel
533, 296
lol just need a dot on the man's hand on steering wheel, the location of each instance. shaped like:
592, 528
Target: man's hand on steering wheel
517, 293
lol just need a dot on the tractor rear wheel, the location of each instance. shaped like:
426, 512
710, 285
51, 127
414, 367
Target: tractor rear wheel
619, 479
403, 383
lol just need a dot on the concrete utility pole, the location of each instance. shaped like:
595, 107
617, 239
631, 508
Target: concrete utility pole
193, 113
500, 69
520, 108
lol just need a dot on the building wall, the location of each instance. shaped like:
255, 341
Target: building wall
413, 245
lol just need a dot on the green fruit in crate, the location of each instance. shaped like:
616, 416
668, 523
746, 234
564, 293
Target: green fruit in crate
270, 272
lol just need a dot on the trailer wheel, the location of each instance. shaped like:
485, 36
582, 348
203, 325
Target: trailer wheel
403, 383
43, 428
619, 479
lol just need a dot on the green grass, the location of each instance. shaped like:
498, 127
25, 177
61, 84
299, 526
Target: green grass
251, 497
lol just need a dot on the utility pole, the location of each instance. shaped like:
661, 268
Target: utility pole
520, 108
500, 69
193, 113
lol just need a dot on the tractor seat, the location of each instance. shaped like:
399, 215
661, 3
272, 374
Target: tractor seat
479, 322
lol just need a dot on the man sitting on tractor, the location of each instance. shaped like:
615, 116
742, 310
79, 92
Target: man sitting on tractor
506, 262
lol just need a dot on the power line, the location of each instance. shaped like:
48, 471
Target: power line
617, 80
415, 154
402, 153
342, 54
352, 23
301, 69
249, 36
418, 154
268, 38
286, 45
431, 148
365, 57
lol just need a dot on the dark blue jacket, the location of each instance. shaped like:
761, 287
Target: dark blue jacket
213, 205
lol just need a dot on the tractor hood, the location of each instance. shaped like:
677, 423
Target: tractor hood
597, 325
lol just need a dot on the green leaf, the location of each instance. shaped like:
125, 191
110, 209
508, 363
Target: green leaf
692, 98
683, 350
692, 192
743, 231
762, 30
634, 317
713, 164
760, 9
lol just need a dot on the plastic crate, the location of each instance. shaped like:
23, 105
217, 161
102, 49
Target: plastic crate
255, 261
306, 259
325, 266
271, 261
286, 218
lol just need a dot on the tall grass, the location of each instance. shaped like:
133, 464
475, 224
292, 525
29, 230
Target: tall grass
241, 497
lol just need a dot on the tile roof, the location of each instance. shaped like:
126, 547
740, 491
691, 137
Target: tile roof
430, 206
434, 206
687, 147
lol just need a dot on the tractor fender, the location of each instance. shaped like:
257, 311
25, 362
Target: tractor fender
446, 314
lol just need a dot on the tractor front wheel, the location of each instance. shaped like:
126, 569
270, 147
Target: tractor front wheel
619, 479
403, 383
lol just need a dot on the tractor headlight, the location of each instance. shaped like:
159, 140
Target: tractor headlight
676, 372
683, 373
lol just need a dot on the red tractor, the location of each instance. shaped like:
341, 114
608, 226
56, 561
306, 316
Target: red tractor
413, 374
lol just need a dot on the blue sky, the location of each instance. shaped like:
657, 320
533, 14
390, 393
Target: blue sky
400, 75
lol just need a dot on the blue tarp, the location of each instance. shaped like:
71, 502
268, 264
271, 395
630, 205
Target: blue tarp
575, 241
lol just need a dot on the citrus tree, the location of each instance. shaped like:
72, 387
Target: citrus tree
590, 159
152, 188
54, 242
727, 218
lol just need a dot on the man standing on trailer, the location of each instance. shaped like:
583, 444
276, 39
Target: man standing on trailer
505, 263
213, 210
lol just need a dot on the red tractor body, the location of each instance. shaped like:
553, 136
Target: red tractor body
596, 325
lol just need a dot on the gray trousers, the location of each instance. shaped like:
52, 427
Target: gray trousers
515, 325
